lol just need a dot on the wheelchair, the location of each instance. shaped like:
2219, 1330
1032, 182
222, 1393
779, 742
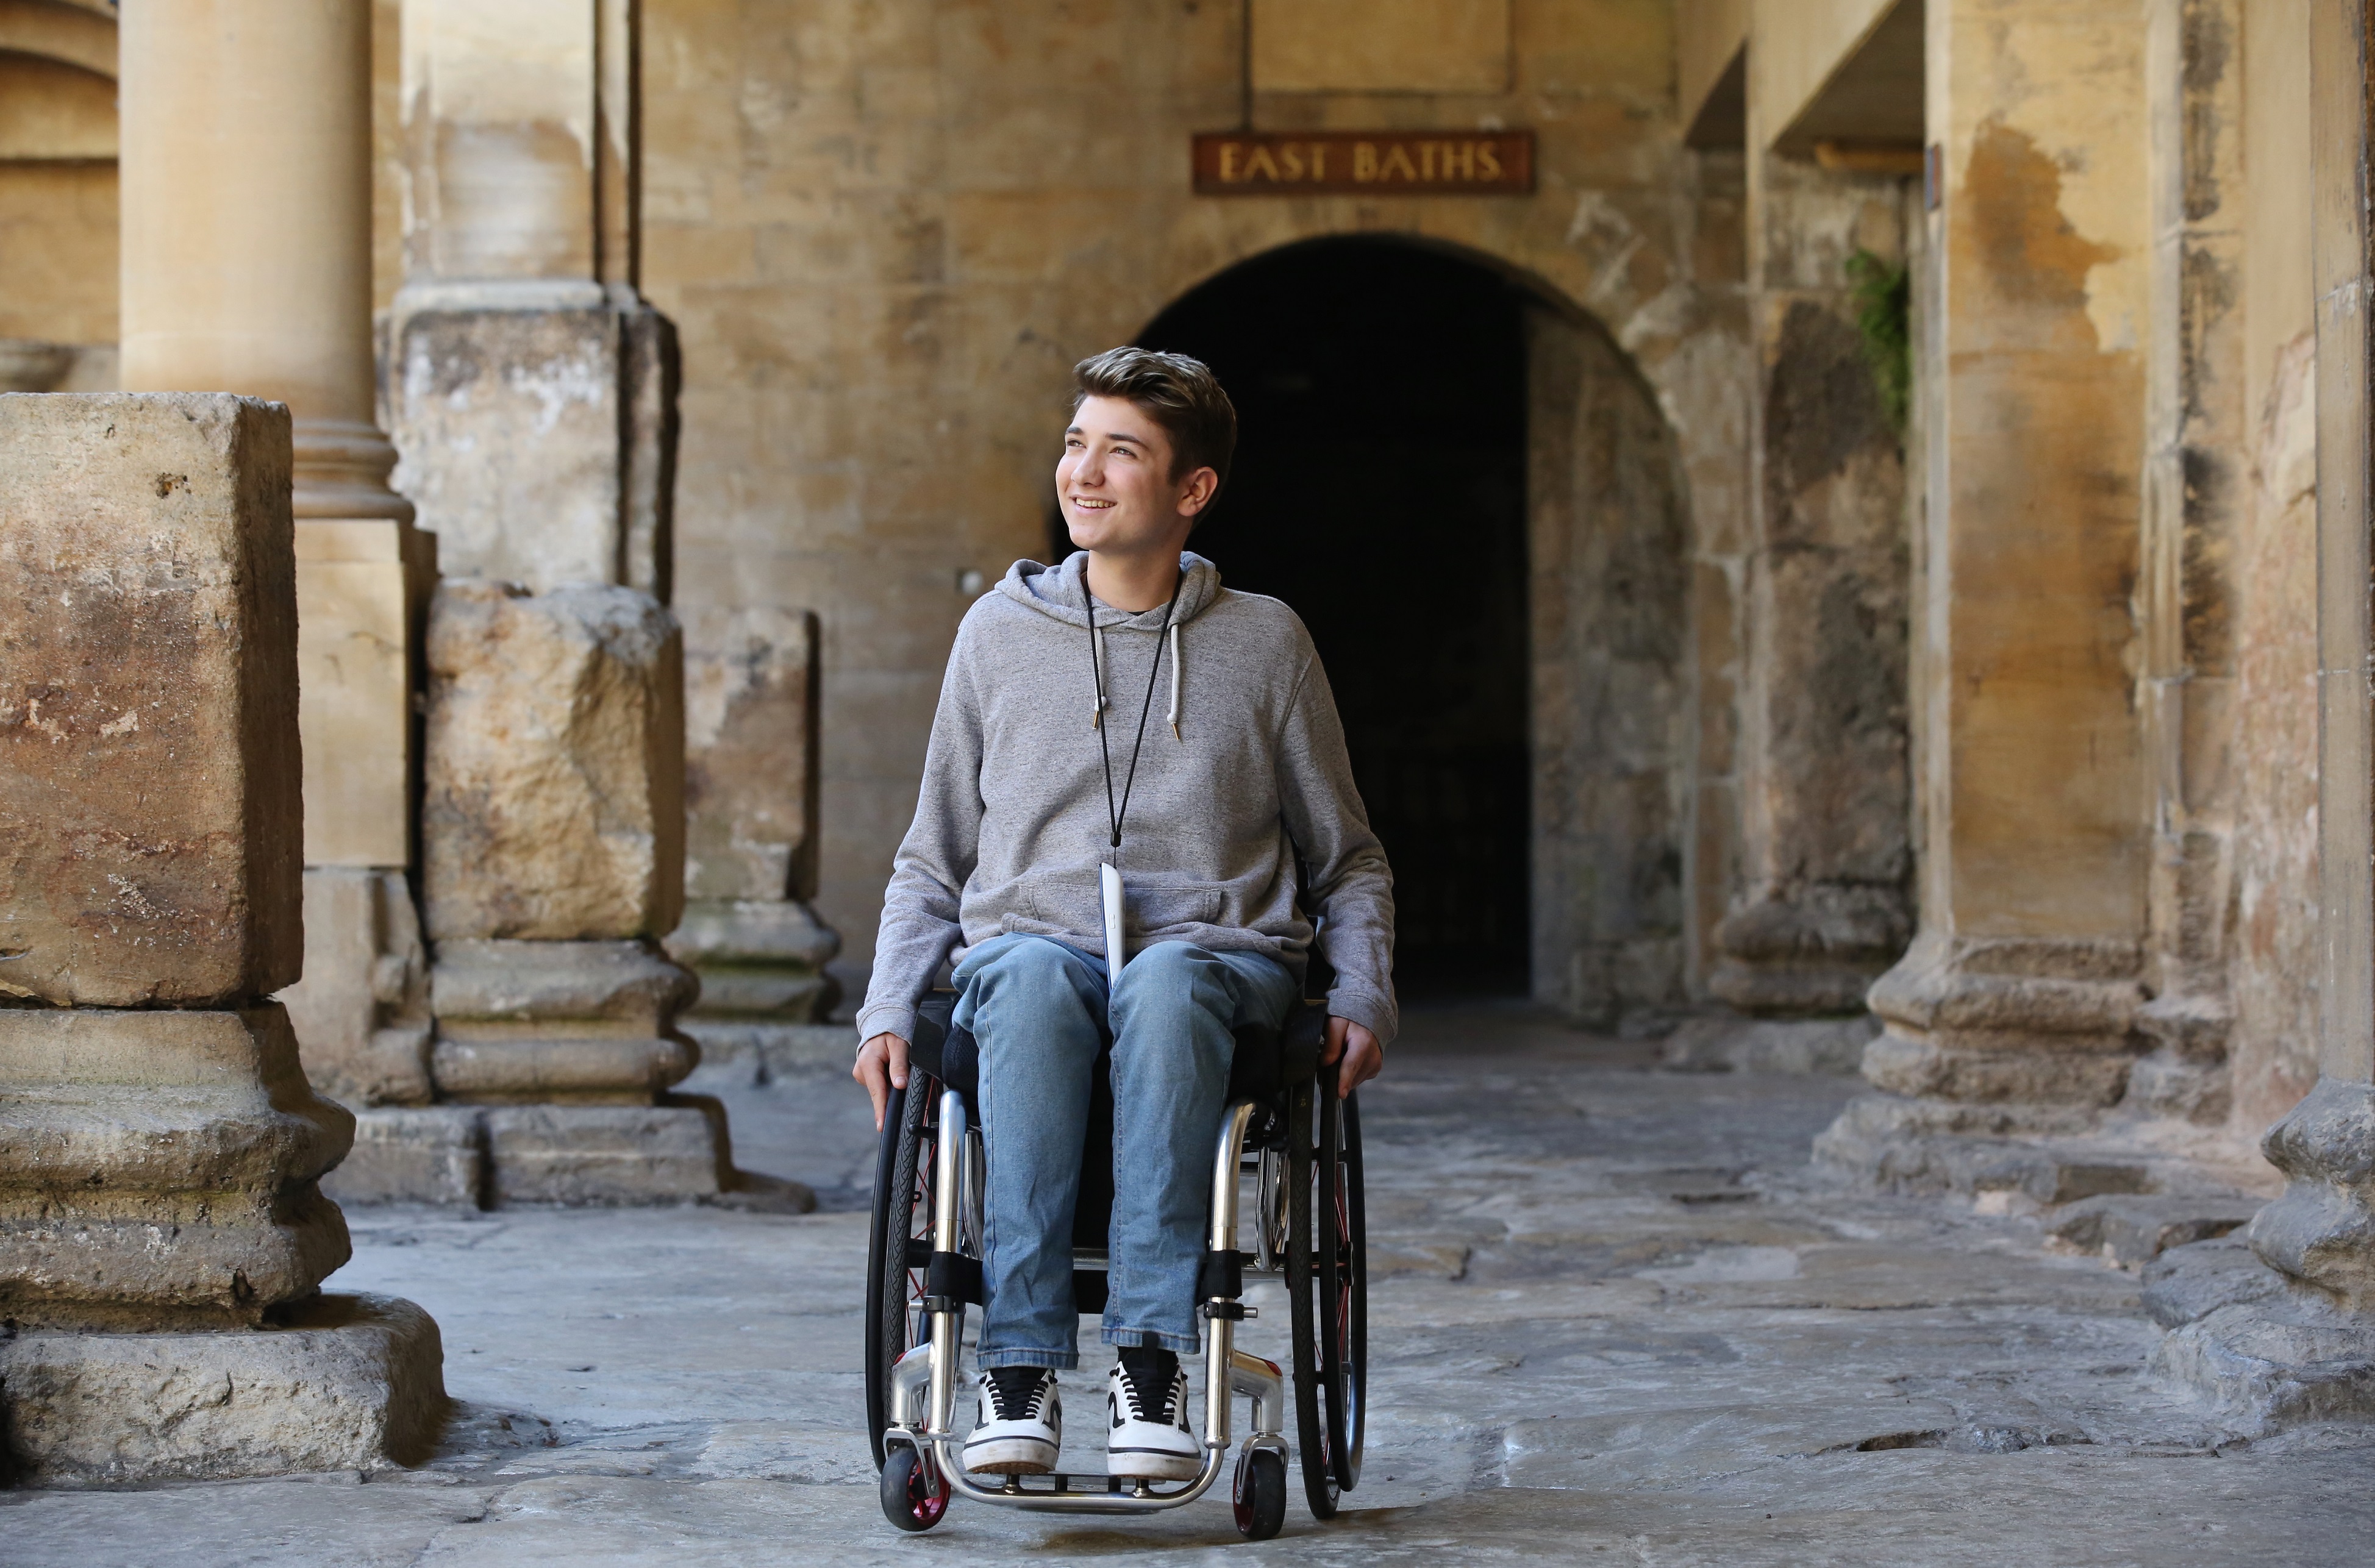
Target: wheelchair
1285, 1128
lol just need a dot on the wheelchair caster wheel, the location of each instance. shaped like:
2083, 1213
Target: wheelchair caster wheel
1260, 1493
914, 1495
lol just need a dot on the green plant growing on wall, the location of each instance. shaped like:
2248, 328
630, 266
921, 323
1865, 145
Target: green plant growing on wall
1883, 302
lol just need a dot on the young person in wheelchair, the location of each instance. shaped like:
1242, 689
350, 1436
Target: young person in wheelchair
1038, 777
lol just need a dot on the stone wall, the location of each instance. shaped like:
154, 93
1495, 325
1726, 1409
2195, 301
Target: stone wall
886, 234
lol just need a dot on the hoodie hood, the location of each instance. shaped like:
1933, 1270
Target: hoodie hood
1060, 593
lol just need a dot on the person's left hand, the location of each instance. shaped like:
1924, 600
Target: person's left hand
1358, 1049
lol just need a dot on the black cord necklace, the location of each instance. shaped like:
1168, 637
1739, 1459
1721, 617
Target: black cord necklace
1115, 814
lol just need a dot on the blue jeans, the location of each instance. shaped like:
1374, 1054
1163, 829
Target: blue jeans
1036, 1006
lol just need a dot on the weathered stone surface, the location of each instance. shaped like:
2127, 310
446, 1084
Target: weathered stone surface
362, 592
361, 1012
757, 958
584, 1022
149, 752
2132, 1231
537, 439
414, 1154
554, 804
160, 1166
2321, 1231
581, 1155
1768, 1045
2285, 1359
345, 1382
751, 773
2187, 1283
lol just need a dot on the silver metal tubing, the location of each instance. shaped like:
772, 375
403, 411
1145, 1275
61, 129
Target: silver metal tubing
1225, 1370
910, 1375
948, 1326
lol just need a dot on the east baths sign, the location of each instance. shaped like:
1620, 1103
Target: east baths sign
1432, 163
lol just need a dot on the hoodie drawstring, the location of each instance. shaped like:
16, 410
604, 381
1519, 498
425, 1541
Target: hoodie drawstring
1174, 681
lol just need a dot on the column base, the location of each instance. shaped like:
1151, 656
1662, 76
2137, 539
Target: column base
758, 959
1816, 950
570, 1156
345, 1383
2265, 1354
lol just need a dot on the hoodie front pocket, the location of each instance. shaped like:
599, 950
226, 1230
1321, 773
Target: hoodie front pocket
1158, 906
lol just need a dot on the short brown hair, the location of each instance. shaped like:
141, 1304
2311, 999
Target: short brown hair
1178, 393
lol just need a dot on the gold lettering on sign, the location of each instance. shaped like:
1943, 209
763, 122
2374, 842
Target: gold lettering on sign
1259, 163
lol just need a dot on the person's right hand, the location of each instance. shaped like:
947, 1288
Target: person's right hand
881, 1065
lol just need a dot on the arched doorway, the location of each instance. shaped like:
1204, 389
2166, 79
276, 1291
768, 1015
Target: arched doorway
1470, 498
1379, 490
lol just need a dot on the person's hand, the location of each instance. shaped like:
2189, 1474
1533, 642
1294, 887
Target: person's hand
882, 1065
1358, 1049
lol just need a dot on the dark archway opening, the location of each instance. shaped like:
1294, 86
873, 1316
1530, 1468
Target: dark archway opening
1380, 490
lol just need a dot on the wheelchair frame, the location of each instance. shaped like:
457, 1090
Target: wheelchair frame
918, 1447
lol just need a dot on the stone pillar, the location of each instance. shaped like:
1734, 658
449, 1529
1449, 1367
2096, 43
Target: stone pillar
160, 1149
2298, 1343
750, 798
2013, 1010
247, 266
2196, 487
531, 393
1827, 850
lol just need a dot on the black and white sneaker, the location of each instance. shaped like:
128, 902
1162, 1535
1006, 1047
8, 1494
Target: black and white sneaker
1146, 1407
1018, 1423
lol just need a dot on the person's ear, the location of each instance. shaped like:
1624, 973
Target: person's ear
1197, 490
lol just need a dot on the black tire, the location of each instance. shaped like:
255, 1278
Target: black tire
915, 1498
1302, 1288
903, 1167
1344, 1284
1260, 1493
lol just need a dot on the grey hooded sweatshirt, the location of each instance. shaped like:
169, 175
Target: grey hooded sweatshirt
1243, 770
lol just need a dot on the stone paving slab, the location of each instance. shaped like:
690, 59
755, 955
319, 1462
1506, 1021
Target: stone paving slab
1629, 1323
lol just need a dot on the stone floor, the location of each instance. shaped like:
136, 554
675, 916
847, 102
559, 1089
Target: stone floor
1617, 1319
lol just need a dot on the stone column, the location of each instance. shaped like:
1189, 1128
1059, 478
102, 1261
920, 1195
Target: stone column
531, 393
751, 799
2013, 1010
2299, 1342
247, 266
2196, 487
1826, 852
163, 1232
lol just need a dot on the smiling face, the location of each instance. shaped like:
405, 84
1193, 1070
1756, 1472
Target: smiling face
1116, 485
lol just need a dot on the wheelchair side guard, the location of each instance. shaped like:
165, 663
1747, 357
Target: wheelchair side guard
923, 1381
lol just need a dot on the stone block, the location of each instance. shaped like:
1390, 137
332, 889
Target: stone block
2131, 1231
757, 959
537, 432
750, 776
343, 1383
361, 1012
362, 588
160, 1166
2286, 1360
583, 1021
148, 751
554, 804
414, 1154
603, 1154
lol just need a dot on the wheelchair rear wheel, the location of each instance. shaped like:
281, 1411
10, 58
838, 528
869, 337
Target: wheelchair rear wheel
899, 1244
1327, 1285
